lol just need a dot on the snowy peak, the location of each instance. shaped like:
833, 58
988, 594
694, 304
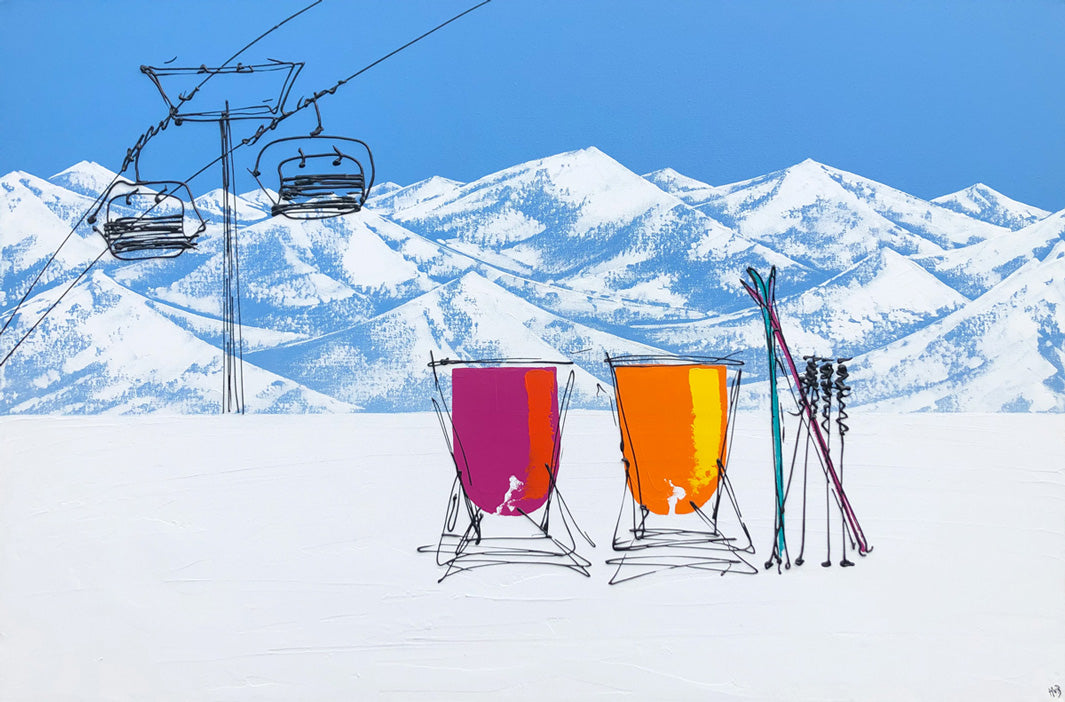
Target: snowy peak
885, 282
883, 297
571, 192
944, 227
307, 276
578, 219
30, 232
260, 198
988, 205
423, 191
1001, 352
671, 180
899, 272
975, 269
808, 168
831, 219
689, 190
119, 354
210, 205
600, 186
468, 318
582, 221
806, 213
385, 188
85, 178
472, 294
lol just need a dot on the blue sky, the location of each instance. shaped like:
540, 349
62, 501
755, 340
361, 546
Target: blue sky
926, 96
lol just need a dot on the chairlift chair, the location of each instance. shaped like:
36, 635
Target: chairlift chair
148, 219
321, 179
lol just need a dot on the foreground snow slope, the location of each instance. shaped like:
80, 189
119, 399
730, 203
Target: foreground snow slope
273, 558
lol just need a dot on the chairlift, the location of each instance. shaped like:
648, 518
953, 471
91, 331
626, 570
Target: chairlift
322, 179
147, 219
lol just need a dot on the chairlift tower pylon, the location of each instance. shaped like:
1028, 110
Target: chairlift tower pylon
190, 98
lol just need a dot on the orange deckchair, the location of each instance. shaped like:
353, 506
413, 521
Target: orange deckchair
675, 414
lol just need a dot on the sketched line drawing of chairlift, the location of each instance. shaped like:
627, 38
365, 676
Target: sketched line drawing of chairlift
146, 219
320, 177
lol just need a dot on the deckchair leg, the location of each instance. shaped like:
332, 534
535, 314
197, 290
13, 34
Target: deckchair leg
647, 550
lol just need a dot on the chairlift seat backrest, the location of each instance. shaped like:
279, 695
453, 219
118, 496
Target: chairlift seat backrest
333, 180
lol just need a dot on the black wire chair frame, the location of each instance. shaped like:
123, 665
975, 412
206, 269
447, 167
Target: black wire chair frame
465, 548
649, 543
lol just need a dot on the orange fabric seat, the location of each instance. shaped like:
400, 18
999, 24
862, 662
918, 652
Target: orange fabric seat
674, 421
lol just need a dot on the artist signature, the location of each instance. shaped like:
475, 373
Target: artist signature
1055, 691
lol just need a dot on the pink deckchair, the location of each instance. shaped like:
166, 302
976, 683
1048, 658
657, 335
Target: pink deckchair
504, 437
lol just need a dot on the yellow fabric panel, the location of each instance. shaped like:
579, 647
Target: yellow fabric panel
709, 422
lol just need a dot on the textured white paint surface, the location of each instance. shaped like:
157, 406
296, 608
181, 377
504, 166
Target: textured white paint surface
273, 558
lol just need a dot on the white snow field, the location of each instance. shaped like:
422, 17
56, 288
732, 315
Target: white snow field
273, 558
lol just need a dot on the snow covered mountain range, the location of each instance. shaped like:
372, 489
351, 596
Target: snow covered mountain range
954, 304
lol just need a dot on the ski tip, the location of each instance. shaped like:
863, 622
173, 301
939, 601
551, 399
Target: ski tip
755, 295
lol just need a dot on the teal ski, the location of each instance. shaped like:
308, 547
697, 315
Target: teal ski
764, 292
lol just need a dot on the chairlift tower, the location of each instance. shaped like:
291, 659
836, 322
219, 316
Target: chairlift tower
263, 89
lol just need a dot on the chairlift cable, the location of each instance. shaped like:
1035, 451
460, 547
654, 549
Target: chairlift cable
303, 103
141, 140
412, 41
133, 153
53, 306
147, 135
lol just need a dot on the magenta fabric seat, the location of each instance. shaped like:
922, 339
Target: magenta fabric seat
505, 426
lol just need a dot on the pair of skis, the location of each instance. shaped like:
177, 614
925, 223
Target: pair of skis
763, 292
